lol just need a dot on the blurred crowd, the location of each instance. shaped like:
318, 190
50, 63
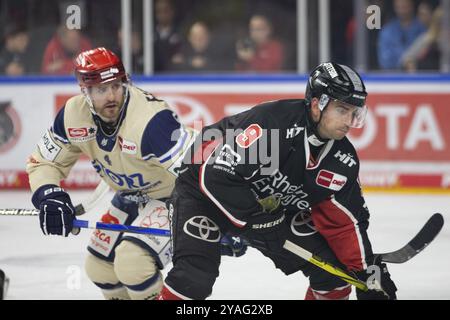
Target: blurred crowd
197, 36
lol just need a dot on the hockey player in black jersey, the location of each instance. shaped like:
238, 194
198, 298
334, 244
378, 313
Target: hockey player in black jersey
283, 170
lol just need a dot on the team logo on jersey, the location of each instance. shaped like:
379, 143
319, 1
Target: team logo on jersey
203, 228
82, 134
249, 136
127, 146
331, 180
104, 142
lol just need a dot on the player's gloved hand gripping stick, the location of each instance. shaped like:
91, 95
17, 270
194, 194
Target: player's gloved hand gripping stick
80, 209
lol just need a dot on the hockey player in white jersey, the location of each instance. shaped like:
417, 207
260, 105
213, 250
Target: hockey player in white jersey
135, 143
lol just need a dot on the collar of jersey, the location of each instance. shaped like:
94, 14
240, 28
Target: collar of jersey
323, 153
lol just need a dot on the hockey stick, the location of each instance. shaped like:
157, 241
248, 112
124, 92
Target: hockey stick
420, 241
308, 256
120, 228
423, 238
80, 209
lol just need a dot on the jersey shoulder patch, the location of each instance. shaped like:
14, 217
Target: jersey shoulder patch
48, 148
78, 122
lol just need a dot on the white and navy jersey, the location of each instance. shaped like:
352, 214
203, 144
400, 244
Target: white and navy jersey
267, 151
143, 154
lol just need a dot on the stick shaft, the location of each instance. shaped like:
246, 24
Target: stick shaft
120, 228
328, 267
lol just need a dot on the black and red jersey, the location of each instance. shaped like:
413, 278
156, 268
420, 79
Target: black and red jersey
269, 150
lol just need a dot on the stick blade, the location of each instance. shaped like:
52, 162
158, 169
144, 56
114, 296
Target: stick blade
422, 239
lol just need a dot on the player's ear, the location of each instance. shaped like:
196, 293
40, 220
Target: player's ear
315, 111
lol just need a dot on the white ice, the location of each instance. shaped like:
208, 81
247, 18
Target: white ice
41, 267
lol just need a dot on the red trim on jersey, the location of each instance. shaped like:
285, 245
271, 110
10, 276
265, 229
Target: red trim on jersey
202, 153
340, 232
312, 162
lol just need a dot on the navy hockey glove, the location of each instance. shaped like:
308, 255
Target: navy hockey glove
267, 230
232, 246
56, 210
379, 282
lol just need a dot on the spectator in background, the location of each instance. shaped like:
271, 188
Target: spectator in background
397, 35
260, 52
424, 53
136, 50
425, 13
167, 41
197, 55
62, 49
14, 57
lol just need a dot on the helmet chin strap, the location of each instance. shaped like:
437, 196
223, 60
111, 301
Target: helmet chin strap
84, 90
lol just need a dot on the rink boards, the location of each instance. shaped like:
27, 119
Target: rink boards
403, 146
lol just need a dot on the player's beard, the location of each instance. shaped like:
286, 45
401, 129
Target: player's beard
110, 112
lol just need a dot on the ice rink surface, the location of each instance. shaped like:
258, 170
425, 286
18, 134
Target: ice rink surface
42, 267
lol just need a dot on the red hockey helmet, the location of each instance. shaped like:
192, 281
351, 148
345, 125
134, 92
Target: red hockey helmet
97, 66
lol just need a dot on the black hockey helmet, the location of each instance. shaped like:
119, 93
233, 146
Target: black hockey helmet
336, 81
330, 80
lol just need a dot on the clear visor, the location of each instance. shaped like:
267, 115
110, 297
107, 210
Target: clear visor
345, 111
102, 91
359, 117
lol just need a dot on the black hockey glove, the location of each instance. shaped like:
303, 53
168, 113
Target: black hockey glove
378, 280
56, 210
232, 246
267, 230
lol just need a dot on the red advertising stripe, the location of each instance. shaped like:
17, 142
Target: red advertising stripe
422, 181
408, 127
